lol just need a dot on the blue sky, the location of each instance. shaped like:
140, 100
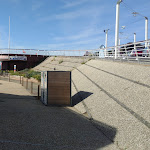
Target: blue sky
69, 24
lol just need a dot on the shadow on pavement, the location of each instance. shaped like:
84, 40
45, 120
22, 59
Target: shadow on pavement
27, 124
80, 96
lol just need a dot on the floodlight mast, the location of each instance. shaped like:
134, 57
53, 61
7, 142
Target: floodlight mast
134, 40
106, 40
146, 31
117, 27
134, 37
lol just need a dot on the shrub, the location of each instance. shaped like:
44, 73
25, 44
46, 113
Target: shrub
53, 59
83, 62
28, 73
37, 76
14, 73
60, 61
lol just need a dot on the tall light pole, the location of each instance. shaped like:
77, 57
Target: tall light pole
146, 31
121, 33
134, 37
119, 44
134, 41
117, 27
106, 40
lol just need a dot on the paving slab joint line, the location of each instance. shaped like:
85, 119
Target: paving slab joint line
93, 122
85, 106
137, 116
136, 82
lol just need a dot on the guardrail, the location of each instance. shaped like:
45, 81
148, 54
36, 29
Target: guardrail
31, 85
130, 52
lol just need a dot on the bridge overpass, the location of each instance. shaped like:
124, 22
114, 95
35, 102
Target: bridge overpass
21, 62
136, 52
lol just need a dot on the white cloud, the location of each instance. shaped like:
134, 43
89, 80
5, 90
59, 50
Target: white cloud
64, 16
19, 47
36, 5
73, 3
92, 12
15, 1
81, 44
91, 31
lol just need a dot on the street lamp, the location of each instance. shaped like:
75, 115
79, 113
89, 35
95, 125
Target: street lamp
146, 31
106, 39
117, 27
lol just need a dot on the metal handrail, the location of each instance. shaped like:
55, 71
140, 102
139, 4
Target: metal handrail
133, 50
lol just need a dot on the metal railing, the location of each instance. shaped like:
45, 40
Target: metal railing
130, 52
30, 85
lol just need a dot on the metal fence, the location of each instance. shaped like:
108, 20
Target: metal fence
130, 52
29, 84
137, 51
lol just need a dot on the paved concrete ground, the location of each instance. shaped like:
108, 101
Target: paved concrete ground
26, 124
117, 94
